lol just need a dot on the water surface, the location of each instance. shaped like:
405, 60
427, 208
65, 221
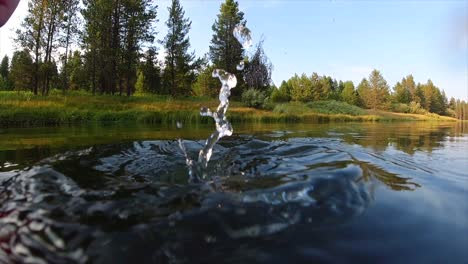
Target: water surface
294, 193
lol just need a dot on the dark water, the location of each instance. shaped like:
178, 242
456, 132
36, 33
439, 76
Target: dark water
335, 193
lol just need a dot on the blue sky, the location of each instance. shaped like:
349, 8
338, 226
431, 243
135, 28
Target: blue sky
343, 39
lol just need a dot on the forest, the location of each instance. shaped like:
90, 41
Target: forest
108, 47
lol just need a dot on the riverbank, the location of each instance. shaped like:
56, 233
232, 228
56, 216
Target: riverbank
24, 109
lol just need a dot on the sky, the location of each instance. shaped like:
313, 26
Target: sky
342, 39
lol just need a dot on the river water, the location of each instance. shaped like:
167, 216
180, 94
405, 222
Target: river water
283, 193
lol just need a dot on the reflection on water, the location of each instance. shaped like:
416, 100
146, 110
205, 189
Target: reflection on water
328, 193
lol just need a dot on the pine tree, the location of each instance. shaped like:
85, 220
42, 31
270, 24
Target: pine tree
4, 67
137, 18
364, 93
114, 33
225, 51
379, 91
31, 34
21, 71
78, 78
178, 72
348, 94
4, 71
69, 35
205, 84
283, 94
151, 81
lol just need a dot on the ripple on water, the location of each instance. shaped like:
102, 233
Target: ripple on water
131, 202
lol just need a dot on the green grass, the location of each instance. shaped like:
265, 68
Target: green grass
25, 109
335, 107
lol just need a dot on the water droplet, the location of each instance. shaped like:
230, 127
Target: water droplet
242, 34
240, 66
223, 127
210, 239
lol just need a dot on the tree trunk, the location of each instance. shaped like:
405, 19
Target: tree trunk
67, 43
37, 47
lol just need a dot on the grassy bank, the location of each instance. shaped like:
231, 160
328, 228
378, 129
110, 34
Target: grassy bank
24, 109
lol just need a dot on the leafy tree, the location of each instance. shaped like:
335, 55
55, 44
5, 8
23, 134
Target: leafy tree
78, 78
254, 98
339, 87
301, 88
452, 103
316, 87
326, 88
376, 96
225, 51
282, 94
139, 85
206, 85
178, 74
401, 94
21, 71
349, 94
257, 73
461, 110
434, 100
364, 93
410, 86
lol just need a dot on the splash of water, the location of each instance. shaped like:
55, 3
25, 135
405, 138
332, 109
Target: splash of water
242, 34
197, 169
240, 66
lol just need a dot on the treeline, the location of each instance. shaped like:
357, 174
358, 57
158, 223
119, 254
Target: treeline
373, 92
111, 49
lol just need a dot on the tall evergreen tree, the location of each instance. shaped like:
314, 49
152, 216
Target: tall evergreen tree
31, 34
364, 93
4, 71
4, 67
410, 88
21, 71
282, 94
78, 78
68, 35
225, 51
114, 33
178, 72
151, 73
379, 91
205, 84
348, 94
137, 19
